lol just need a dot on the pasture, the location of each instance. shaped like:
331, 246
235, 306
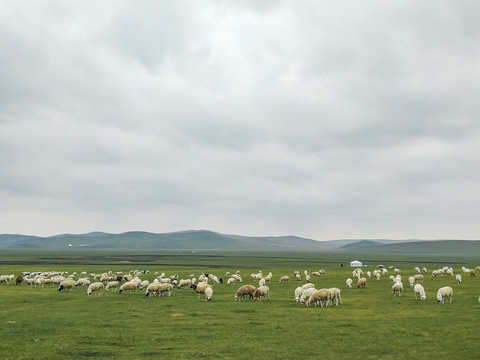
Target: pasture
43, 323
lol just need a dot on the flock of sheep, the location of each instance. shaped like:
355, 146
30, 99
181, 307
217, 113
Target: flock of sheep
163, 285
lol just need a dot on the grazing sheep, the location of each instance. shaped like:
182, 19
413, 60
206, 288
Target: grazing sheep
18, 280
335, 295
200, 288
245, 290
458, 278
298, 292
143, 284
128, 286
66, 285
444, 292
397, 288
418, 277
411, 280
308, 285
348, 282
262, 291
419, 292
231, 281
82, 282
306, 295
417, 269
262, 282
472, 272
184, 283
284, 279
361, 283
166, 288
208, 293
96, 286
268, 278
153, 289
320, 297
112, 285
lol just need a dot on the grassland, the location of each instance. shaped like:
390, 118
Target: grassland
42, 323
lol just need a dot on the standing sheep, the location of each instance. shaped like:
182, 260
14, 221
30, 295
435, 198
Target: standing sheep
128, 286
112, 285
66, 285
320, 297
245, 290
444, 292
458, 278
284, 279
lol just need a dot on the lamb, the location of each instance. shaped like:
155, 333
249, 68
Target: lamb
262, 282
419, 292
112, 285
66, 285
231, 281
361, 283
284, 279
184, 283
348, 282
96, 286
411, 280
208, 293
128, 286
321, 297
397, 288
262, 291
245, 290
444, 292
458, 278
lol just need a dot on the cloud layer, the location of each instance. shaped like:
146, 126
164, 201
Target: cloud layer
326, 120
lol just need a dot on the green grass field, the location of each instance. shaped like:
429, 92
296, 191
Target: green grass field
42, 323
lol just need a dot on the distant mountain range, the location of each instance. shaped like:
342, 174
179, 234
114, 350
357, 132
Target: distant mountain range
209, 240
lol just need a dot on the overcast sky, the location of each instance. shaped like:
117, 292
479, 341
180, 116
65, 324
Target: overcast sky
323, 119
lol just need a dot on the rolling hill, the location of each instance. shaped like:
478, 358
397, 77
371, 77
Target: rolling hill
196, 240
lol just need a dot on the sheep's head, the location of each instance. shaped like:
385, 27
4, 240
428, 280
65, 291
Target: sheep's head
423, 297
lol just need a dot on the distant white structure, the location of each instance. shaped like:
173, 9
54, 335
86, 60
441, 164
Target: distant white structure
356, 263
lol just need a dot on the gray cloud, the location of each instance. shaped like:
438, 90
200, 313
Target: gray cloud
322, 120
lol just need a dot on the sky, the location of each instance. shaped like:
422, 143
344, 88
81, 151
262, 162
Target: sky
326, 120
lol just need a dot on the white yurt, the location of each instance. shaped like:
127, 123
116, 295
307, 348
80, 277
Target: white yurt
356, 263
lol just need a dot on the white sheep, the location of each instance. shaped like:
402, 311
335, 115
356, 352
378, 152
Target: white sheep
184, 283
306, 295
298, 292
262, 282
96, 286
419, 292
308, 286
458, 277
82, 282
262, 291
128, 286
397, 288
268, 278
361, 283
321, 297
208, 293
348, 282
112, 285
411, 280
284, 279
335, 295
444, 292
66, 285
231, 281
